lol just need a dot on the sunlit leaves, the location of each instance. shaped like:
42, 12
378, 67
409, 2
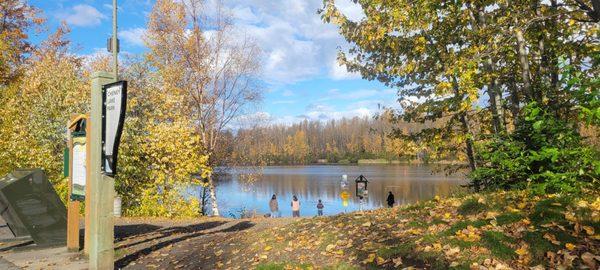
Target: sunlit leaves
36, 109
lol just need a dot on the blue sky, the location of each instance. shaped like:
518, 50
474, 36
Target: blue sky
302, 79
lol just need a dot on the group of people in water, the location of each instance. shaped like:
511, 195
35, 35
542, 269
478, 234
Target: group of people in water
295, 204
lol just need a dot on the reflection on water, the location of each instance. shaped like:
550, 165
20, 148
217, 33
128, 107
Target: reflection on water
409, 183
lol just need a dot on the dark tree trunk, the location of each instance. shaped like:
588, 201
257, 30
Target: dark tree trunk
515, 107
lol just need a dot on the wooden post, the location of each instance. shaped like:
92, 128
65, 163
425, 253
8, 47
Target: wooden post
72, 206
102, 191
88, 190
73, 226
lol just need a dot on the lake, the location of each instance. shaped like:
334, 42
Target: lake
409, 183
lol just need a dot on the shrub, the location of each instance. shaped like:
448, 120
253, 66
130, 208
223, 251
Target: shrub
544, 154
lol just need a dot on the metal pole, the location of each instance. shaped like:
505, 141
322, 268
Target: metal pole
115, 49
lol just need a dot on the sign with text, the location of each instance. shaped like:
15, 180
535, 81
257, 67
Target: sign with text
114, 101
79, 177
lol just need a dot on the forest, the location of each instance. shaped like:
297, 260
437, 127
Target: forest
341, 141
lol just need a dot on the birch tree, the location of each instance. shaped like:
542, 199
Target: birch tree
198, 52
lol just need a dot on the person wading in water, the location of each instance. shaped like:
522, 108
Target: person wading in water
295, 207
391, 200
320, 208
274, 206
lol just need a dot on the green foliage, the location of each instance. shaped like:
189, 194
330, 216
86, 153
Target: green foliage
544, 153
444, 56
586, 92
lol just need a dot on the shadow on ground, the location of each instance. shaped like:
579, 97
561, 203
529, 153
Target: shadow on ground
125, 231
187, 232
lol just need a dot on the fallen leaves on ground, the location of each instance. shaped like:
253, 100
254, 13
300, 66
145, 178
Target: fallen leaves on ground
501, 230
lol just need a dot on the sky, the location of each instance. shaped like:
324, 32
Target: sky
301, 77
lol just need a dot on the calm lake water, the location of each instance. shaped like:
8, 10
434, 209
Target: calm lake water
409, 183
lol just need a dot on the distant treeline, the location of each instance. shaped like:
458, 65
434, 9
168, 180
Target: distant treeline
335, 141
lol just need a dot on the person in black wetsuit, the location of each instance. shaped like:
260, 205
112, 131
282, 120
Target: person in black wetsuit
390, 200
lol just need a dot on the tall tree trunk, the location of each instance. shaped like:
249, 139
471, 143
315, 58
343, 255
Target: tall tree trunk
203, 201
553, 34
543, 64
524, 63
469, 142
479, 20
465, 129
514, 103
494, 100
213, 196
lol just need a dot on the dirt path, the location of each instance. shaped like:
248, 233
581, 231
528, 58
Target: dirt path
154, 244
209, 244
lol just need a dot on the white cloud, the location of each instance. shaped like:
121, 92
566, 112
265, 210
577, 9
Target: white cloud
323, 112
336, 94
244, 14
133, 36
250, 120
82, 15
339, 72
351, 10
296, 43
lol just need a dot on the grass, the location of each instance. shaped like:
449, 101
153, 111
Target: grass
538, 245
409, 232
549, 210
496, 242
461, 225
436, 221
563, 236
460, 243
418, 206
508, 218
341, 266
471, 207
399, 250
434, 259
417, 224
326, 239
430, 238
